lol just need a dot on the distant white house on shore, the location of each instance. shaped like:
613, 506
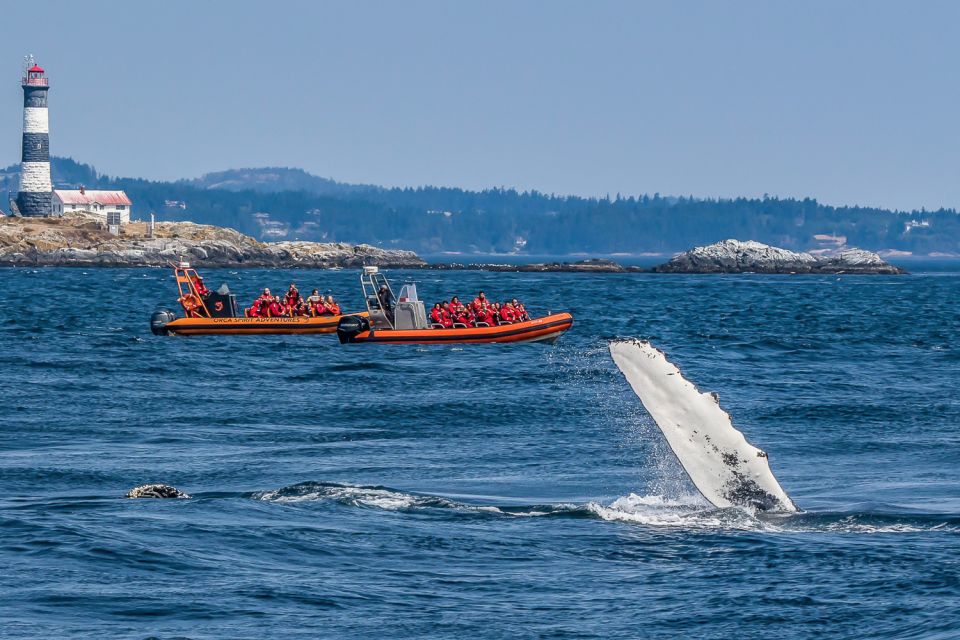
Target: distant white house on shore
113, 206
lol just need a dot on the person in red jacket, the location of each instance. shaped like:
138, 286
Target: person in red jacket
259, 307
332, 307
485, 315
275, 309
436, 314
463, 315
199, 286
479, 302
292, 299
508, 313
447, 316
522, 314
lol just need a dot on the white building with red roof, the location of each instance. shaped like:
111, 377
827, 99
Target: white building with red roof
113, 206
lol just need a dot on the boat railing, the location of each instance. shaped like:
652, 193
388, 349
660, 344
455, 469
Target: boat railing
190, 297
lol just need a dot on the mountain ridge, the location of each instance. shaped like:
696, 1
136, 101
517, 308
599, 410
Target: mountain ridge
284, 203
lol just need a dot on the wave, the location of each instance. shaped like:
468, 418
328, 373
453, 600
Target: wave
685, 512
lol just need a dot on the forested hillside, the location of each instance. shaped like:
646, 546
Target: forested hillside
290, 203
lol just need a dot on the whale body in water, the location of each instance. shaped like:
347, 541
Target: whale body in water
155, 491
725, 468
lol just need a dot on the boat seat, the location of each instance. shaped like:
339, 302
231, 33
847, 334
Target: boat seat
503, 322
436, 325
460, 325
481, 324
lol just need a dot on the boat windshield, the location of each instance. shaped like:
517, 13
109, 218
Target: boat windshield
408, 293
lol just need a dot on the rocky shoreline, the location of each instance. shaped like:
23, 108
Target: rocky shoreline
79, 240
735, 256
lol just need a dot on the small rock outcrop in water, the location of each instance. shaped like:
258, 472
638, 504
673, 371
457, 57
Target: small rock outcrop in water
735, 256
79, 240
155, 491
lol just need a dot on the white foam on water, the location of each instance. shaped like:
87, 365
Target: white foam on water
690, 512
687, 512
852, 524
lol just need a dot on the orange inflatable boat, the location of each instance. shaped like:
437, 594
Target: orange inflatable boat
215, 313
402, 320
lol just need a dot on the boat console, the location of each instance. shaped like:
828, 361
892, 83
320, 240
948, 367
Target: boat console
388, 311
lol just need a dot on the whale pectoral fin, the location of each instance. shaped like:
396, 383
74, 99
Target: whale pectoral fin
727, 469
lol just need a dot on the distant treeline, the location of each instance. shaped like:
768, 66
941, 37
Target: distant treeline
290, 203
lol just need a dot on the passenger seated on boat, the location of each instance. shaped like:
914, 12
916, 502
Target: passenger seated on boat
312, 301
479, 302
292, 299
462, 316
447, 316
258, 308
522, 315
275, 308
436, 316
485, 316
508, 314
332, 307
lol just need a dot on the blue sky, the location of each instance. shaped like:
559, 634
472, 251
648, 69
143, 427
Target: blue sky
848, 102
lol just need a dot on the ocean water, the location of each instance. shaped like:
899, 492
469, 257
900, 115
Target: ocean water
488, 491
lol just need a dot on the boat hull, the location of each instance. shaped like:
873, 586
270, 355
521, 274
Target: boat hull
547, 329
253, 326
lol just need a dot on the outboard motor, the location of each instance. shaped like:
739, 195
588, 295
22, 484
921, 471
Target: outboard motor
159, 321
350, 326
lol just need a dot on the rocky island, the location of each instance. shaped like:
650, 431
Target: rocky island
735, 256
79, 239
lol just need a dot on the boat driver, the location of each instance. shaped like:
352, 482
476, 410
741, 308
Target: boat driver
386, 301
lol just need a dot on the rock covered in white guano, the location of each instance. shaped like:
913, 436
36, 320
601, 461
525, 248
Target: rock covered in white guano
80, 240
855, 261
736, 256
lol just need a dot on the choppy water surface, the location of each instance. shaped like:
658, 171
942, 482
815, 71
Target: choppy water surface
478, 491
